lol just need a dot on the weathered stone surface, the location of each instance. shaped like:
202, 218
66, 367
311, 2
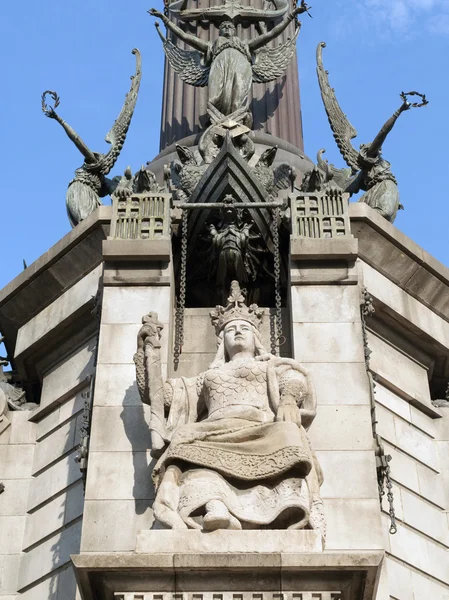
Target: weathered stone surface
353, 524
425, 517
128, 304
359, 477
58, 586
322, 249
398, 370
400, 259
16, 461
413, 548
344, 427
117, 343
325, 304
120, 429
60, 442
22, 430
143, 273
393, 402
121, 476
423, 422
431, 484
404, 468
9, 573
400, 583
14, 498
322, 272
76, 254
48, 556
54, 515
328, 342
407, 438
190, 364
402, 303
331, 383
112, 525
59, 311
11, 534
137, 250
228, 541
53, 480
61, 413
59, 383
115, 385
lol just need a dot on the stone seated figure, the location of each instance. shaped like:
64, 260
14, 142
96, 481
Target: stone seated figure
232, 444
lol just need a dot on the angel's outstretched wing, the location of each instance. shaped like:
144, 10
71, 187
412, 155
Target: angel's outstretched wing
341, 177
117, 135
271, 63
188, 64
344, 132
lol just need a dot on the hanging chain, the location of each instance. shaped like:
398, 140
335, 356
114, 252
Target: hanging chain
382, 459
279, 340
83, 451
181, 304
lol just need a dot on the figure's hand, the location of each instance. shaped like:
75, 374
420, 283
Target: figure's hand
156, 13
288, 411
150, 332
299, 10
48, 110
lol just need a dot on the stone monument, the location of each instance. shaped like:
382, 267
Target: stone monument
231, 384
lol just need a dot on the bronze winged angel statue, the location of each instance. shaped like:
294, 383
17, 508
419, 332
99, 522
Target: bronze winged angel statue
90, 182
370, 171
229, 65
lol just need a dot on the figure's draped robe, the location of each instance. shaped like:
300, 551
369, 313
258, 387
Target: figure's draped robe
230, 76
239, 454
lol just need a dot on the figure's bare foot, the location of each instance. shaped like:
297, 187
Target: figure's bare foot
217, 516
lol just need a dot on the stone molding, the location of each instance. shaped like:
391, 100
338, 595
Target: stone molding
296, 595
137, 250
401, 260
161, 576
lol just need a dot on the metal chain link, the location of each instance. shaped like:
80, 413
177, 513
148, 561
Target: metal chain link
277, 279
181, 304
382, 459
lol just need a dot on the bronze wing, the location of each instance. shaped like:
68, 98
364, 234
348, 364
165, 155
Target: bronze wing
271, 63
188, 64
344, 132
117, 135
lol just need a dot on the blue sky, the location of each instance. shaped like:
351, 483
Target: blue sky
375, 49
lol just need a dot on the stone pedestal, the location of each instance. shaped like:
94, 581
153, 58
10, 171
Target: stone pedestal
259, 542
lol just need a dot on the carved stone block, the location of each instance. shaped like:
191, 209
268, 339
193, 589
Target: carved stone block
320, 215
141, 217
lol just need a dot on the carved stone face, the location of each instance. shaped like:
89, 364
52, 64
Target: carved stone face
227, 29
238, 336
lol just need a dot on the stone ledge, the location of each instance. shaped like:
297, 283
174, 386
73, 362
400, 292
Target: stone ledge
140, 250
402, 261
324, 249
356, 574
258, 542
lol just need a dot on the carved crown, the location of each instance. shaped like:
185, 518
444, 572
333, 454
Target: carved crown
236, 309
